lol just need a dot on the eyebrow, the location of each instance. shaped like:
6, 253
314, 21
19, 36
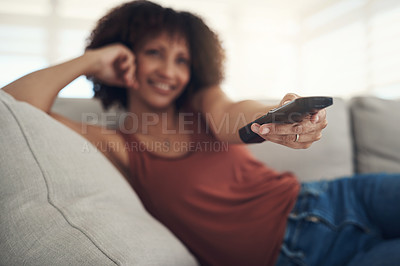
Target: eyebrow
160, 45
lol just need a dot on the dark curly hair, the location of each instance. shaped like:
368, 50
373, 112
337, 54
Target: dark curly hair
135, 22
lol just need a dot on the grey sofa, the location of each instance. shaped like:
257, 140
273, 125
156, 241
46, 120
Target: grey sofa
63, 203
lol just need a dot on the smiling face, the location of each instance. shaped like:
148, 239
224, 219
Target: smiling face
162, 71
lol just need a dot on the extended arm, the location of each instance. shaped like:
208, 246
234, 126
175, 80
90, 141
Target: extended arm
225, 117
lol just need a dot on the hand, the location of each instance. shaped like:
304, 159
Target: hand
113, 65
309, 130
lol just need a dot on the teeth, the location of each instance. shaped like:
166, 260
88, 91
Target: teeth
163, 86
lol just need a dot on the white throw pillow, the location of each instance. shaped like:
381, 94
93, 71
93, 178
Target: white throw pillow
64, 204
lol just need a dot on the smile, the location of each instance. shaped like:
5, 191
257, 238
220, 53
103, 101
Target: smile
162, 87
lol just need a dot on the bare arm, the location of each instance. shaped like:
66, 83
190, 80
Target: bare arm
40, 88
113, 64
225, 117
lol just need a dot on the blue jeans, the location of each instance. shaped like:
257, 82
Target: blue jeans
348, 221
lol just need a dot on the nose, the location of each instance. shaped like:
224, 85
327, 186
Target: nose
166, 68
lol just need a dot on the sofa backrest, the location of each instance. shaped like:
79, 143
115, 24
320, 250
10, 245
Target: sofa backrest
326, 159
376, 129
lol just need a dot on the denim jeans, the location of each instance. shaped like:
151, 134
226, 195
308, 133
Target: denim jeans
348, 221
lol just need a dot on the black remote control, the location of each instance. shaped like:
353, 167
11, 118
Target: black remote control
292, 112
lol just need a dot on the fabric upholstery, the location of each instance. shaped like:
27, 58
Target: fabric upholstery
376, 127
62, 203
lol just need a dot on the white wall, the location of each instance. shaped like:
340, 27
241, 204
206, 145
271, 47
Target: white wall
311, 47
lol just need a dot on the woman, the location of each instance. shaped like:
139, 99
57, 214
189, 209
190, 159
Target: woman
164, 67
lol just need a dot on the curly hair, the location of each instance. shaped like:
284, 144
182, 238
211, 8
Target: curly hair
133, 23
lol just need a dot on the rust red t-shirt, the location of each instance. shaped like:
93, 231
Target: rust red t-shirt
223, 204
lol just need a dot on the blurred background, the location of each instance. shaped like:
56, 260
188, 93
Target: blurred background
311, 47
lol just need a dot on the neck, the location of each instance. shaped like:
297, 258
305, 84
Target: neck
150, 121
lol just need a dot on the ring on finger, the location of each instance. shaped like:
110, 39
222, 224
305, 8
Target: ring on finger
297, 137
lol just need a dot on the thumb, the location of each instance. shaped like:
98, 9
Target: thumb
288, 98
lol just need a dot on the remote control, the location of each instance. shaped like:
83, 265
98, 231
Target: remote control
292, 112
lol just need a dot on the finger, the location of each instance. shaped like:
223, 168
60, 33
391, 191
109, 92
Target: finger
119, 72
283, 129
304, 127
321, 122
288, 98
305, 138
125, 69
255, 128
318, 117
289, 141
132, 73
129, 75
127, 61
124, 65
135, 84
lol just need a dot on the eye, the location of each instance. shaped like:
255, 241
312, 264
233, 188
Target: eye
183, 61
152, 52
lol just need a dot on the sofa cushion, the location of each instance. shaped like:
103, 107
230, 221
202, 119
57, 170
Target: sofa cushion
328, 158
376, 127
62, 203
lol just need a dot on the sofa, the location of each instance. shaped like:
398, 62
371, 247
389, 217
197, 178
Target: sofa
63, 203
